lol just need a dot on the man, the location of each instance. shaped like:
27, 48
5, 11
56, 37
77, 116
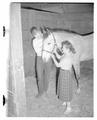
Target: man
42, 67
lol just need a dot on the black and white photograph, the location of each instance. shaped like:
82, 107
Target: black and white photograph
51, 60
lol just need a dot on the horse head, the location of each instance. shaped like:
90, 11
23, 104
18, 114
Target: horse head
48, 40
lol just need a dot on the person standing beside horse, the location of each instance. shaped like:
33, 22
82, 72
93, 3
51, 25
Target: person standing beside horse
42, 66
65, 75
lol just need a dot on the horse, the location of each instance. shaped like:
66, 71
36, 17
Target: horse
83, 45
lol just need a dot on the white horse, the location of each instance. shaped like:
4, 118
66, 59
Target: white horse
83, 45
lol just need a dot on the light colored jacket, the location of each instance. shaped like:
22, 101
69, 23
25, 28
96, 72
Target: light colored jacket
37, 45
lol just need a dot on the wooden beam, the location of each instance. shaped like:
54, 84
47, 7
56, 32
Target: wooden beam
17, 59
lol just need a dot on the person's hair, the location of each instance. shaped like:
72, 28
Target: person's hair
33, 29
68, 46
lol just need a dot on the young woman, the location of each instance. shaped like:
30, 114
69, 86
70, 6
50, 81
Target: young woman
65, 78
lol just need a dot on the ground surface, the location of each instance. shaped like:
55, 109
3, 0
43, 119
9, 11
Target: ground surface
49, 106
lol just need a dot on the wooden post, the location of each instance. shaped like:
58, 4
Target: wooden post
17, 59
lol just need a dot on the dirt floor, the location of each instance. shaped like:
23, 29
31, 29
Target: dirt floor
50, 106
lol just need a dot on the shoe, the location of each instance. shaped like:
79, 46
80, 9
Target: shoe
68, 110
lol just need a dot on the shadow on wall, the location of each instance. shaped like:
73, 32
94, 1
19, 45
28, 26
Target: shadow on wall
29, 58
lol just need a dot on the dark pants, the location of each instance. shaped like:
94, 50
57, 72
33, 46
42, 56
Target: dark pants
43, 74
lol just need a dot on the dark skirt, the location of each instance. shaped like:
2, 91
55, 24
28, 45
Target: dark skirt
65, 85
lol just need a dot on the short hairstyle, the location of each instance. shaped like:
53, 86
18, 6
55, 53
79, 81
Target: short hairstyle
68, 46
33, 28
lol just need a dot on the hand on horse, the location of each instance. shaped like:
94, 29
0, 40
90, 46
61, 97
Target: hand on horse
59, 51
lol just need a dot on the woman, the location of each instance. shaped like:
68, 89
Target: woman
65, 78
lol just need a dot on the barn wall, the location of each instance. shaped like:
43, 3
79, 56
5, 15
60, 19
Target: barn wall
81, 22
